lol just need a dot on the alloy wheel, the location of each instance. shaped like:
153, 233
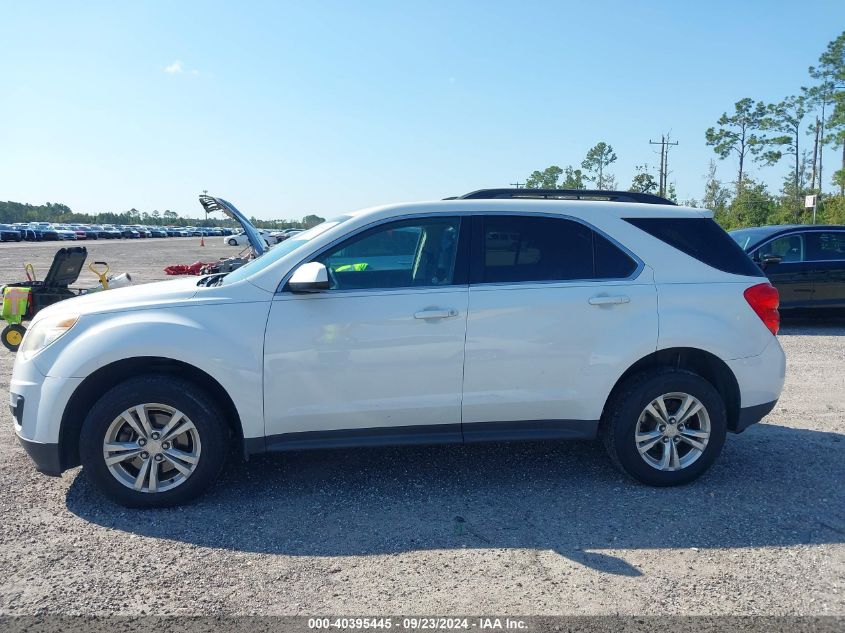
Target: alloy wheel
672, 432
151, 448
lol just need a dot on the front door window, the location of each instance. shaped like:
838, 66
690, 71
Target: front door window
406, 254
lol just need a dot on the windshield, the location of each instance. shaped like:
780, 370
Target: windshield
748, 238
277, 252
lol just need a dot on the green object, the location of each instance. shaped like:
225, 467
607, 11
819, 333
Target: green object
346, 268
15, 304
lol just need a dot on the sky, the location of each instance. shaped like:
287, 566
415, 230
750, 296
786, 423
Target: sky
291, 108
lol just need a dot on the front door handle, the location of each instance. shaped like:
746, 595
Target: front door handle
435, 314
608, 300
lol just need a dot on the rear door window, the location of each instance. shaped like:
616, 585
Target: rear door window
516, 249
823, 246
611, 262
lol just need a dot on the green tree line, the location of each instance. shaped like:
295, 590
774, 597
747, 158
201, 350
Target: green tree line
794, 131
12, 212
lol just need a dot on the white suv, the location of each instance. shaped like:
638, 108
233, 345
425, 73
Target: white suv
496, 316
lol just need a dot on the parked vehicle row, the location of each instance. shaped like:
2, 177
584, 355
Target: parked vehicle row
47, 231
270, 237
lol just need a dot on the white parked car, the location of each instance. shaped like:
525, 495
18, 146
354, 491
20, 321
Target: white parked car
489, 317
64, 231
241, 239
281, 236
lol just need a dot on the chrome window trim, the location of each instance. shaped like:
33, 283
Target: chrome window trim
358, 292
640, 265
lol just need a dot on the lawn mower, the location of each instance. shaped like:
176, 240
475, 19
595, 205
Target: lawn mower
22, 300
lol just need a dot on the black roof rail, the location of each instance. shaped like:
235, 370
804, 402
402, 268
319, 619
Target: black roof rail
563, 194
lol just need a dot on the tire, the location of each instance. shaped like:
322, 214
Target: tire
626, 411
160, 396
233, 242
12, 335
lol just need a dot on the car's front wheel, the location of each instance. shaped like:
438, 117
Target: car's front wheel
154, 441
233, 242
665, 427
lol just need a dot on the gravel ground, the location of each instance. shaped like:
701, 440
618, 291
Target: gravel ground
524, 528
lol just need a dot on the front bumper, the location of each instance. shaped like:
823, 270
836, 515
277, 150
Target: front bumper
38, 403
47, 457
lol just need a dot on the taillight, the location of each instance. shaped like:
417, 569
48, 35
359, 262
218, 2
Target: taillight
764, 300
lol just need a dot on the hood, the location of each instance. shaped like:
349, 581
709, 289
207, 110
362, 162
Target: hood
211, 204
159, 294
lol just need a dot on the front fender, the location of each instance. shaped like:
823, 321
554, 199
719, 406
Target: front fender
226, 341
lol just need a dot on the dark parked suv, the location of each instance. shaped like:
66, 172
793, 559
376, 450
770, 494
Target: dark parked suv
806, 263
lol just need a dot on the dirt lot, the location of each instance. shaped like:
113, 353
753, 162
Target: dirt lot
144, 259
528, 529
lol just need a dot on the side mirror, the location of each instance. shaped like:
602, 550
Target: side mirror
768, 260
310, 277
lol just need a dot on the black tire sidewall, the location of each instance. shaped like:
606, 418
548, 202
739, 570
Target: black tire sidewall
178, 393
627, 412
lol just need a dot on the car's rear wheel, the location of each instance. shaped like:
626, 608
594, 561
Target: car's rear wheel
154, 441
665, 427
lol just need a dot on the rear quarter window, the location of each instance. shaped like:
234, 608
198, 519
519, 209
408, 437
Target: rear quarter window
702, 239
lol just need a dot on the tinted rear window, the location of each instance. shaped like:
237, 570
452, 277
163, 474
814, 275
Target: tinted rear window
702, 239
518, 249
610, 261
824, 246
525, 249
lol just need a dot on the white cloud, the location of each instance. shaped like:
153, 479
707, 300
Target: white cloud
176, 68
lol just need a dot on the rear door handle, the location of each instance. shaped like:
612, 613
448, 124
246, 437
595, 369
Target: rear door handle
435, 314
608, 301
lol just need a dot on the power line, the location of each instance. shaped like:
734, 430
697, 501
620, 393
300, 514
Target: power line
518, 185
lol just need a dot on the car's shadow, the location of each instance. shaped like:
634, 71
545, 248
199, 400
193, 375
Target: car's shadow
773, 486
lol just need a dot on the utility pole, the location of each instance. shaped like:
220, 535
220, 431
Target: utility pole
660, 170
518, 185
815, 156
664, 143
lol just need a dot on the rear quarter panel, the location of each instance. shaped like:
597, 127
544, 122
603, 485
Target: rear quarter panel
712, 316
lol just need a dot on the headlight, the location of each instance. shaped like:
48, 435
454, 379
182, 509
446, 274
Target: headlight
45, 332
